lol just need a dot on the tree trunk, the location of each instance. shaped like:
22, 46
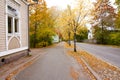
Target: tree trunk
102, 30
69, 38
75, 41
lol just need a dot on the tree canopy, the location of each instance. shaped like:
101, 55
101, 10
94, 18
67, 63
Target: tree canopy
41, 25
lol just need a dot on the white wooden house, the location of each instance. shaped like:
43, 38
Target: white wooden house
13, 30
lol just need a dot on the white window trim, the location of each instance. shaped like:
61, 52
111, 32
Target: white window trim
6, 26
13, 24
17, 2
12, 51
13, 34
18, 29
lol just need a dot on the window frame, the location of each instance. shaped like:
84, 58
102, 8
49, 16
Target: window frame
14, 17
16, 25
10, 29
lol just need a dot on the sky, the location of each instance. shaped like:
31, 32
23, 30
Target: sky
62, 4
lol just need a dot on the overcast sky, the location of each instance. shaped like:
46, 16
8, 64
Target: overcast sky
63, 3
60, 3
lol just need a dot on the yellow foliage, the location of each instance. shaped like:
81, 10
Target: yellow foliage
66, 45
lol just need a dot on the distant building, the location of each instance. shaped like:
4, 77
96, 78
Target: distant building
90, 34
55, 38
13, 30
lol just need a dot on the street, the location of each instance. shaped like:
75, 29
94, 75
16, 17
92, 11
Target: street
106, 53
54, 65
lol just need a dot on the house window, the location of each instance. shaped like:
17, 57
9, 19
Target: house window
13, 20
10, 24
16, 25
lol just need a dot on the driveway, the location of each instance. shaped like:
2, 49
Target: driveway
106, 53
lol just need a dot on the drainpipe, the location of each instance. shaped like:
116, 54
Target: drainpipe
28, 33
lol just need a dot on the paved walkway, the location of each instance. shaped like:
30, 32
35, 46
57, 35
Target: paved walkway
54, 65
6, 69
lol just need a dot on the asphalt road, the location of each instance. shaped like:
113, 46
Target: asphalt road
106, 53
54, 65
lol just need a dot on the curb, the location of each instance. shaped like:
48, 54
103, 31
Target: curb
91, 70
99, 58
107, 62
96, 76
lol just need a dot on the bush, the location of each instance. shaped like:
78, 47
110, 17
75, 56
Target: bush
82, 35
114, 39
42, 44
106, 37
102, 37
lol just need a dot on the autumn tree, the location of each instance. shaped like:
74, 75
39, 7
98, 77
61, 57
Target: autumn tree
64, 22
104, 16
104, 13
55, 13
79, 17
117, 22
41, 25
118, 4
71, 20
82, 34
115, 36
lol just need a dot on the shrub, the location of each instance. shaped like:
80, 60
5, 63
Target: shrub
114, 39
42, 44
